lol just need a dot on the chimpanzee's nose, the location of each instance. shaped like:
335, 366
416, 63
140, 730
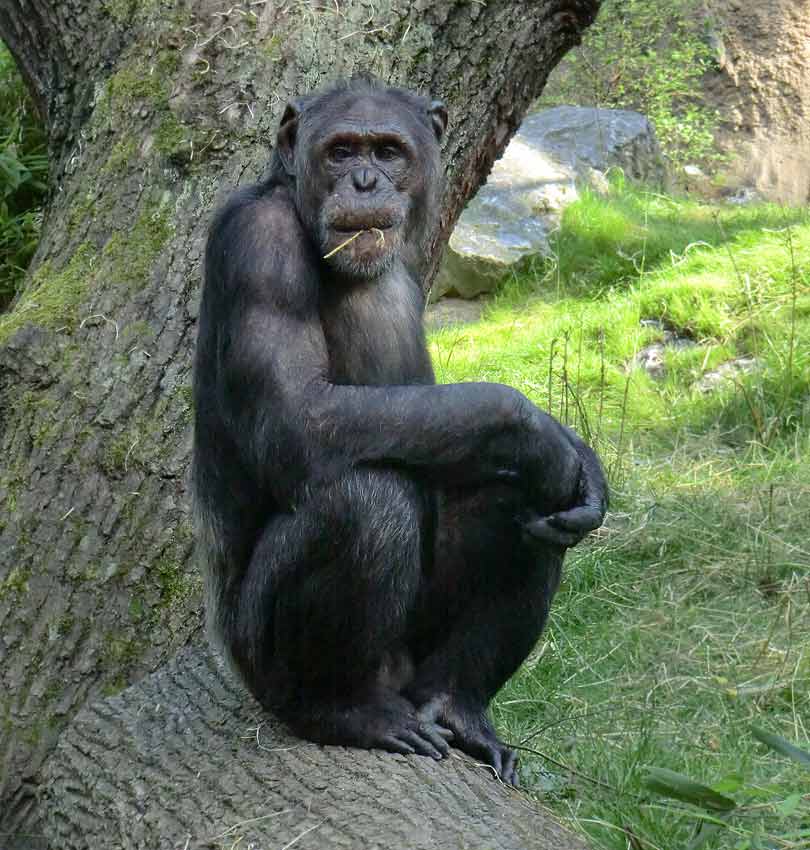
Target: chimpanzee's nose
364, 179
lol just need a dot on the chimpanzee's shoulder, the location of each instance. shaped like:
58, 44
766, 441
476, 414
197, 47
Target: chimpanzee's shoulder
260, 209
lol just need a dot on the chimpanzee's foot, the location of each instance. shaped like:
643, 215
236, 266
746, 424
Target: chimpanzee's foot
388, 722
472, 733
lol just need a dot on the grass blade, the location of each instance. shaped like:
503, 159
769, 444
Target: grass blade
671, 784
780, 745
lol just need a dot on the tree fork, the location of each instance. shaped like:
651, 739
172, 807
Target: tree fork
155, 111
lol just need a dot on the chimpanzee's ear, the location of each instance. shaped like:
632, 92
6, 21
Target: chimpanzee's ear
437, 112
287, 132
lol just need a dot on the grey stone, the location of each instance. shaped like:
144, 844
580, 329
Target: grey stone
597, 181
453, 311
745, 195
726, 372
513, 214
651, 357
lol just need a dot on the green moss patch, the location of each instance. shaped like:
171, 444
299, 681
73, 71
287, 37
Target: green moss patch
15, 583
53, 297
128, 258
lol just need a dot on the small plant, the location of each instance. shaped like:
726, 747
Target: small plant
23, 173
714, 809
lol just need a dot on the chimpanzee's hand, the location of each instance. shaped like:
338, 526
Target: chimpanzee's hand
566, 528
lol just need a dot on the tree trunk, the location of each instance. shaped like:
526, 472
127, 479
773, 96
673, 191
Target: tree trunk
187, 759
155, 110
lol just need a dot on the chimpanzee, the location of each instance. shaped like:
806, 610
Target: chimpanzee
380, 551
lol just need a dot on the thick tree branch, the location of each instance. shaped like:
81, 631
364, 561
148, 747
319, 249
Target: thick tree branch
187, 759
62, 49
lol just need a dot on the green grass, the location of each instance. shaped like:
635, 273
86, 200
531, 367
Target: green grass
686, 620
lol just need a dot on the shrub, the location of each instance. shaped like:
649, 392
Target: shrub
23, 173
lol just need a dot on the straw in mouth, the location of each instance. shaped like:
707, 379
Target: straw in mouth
380, 240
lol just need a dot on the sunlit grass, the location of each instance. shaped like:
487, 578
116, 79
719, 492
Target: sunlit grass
687, 619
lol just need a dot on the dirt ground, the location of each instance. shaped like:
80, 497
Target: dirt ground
762, 93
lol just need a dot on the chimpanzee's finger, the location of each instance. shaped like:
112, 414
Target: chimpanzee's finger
420, 744
540, 531
431, 732
581, 519
394, 745
593, 482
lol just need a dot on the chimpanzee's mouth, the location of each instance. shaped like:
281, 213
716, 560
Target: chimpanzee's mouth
358, 220
362, 233
358, 225
373, 228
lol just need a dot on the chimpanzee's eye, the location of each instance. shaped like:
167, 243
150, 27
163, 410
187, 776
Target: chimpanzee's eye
388, 152
339, 153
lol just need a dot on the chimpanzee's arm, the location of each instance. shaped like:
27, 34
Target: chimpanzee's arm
291, 424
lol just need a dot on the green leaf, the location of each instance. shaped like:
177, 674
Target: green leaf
680, 787
789, 805
729, 784
776, 742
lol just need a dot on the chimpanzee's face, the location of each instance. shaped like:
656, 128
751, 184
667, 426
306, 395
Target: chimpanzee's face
363, 166
361, 178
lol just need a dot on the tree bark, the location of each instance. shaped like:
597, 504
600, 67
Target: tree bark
187, 759
155, 111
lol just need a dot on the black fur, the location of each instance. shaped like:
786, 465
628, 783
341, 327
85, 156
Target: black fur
380, 551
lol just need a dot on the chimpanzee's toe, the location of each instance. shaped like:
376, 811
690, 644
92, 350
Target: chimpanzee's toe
472, 733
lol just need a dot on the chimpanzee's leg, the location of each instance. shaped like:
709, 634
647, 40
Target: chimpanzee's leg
480, 615
319, 616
